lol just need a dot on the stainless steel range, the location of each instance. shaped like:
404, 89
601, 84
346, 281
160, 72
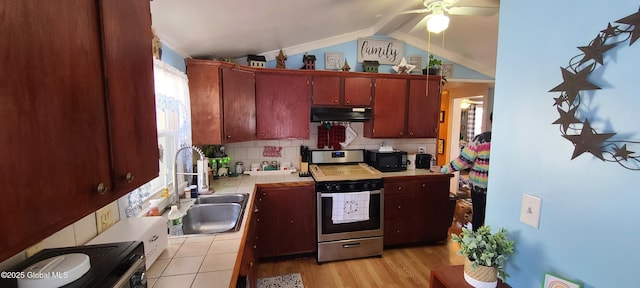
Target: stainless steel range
350, 203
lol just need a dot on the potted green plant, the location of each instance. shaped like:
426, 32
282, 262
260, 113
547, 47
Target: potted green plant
486, 255
433, 66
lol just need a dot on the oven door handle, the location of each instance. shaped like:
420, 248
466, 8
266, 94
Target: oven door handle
126, 277
352, 245
330, 195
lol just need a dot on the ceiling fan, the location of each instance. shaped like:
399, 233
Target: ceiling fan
438, 19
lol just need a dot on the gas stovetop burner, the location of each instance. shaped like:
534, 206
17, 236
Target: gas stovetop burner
341, 165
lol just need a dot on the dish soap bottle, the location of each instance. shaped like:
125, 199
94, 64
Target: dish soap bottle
175, 221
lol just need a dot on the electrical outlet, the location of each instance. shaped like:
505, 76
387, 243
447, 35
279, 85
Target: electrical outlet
422, 149
530, 211
107, 216
34, 249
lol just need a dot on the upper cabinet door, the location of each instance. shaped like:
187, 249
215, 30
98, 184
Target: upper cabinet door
239, 101
388, 109
358, 91
53, 128
325, 91
282, 106
423, 109
128, 62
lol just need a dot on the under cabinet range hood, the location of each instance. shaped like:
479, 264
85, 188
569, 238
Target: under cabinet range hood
340, 114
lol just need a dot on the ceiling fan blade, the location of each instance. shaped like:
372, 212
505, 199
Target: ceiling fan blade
416, 11
473, 11
421, 25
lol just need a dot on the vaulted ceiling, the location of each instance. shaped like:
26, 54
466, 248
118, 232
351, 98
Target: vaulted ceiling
234, 29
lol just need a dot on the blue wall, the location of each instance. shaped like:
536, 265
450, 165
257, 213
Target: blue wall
588, 227
174, 59
349, 51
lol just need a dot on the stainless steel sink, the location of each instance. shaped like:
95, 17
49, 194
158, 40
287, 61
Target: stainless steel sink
215, 214
222, 198
212, 218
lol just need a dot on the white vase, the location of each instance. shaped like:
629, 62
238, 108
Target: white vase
481, 277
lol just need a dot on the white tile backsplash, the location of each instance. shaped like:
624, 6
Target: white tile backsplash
251, 151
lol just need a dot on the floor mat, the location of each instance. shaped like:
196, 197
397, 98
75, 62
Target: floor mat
284, 281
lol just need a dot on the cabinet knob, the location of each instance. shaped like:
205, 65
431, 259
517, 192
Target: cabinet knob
128, 177
335, 100
399, 188
291, 221
255, 210
258, 220
255, 246
262, 134
102, 188
424, 185
348, 101
398, 231
264, 193
399, 207
228, 136
410, 133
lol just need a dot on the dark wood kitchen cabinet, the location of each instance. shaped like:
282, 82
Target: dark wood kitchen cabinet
390, 101
223, 103
249, 262
286, 219
341, 91
423, 108
405, 108
326, 91
417, 209
78, 124
358, 91
282, 105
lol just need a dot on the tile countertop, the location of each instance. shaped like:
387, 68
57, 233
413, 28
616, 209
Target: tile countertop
209, 260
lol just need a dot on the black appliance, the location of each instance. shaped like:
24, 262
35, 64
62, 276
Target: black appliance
423, 161
391, 161
319, 114
120, 264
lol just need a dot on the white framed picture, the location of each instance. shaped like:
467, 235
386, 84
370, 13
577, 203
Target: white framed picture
416, 60
553, 281
447, 70
332, 60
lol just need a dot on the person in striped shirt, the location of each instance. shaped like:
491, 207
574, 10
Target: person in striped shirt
475, 156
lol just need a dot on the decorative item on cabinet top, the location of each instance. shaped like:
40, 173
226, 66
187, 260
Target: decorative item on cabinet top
257, 61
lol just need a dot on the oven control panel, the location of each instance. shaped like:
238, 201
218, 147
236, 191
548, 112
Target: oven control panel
349, 186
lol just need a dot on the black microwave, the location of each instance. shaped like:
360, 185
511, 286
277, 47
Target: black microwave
391, 161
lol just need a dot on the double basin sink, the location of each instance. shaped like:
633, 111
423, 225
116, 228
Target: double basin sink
215, 214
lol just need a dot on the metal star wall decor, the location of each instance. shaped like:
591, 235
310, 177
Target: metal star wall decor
574, 76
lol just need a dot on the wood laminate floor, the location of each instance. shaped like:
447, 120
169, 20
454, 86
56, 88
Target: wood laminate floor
398, 267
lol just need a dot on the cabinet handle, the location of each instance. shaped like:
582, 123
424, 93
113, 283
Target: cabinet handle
129, 177
102, 188
255, 210
154, 238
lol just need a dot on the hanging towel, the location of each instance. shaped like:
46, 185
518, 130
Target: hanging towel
350, 207
336, 135
323, 138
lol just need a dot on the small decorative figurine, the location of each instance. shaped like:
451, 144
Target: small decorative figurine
370, 66
280, 59
403, 67
257, 61
309, 62
345, 67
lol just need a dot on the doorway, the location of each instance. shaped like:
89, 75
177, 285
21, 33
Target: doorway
463, 131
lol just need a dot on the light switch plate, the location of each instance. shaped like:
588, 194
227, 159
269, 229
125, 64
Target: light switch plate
107, 216
530, 210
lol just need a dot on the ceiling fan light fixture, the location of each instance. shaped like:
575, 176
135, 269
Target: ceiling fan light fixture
437, 23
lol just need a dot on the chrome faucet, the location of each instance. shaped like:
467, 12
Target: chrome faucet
203, 178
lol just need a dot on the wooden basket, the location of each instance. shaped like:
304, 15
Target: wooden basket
481, 273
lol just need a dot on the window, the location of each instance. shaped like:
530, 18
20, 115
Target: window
173, 119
